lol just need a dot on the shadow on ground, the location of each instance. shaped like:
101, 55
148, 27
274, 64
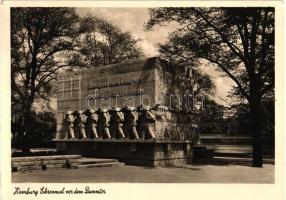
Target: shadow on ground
229, 161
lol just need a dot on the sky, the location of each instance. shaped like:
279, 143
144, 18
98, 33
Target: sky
133, 19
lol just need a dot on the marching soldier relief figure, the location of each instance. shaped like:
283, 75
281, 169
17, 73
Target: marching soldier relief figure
148, 119
104, 122
161, 112
69, 120
118, 119
79, 124
131, 122
140, 124
91, 123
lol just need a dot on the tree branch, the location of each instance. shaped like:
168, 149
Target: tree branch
243, 92
234, 48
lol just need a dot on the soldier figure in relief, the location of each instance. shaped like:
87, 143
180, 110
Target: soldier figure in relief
140, 123
105, 119
148, 122
69, 120
80, 124
131, 121
91, 123
118, 122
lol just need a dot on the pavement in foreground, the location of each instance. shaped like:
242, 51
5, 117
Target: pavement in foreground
136, 174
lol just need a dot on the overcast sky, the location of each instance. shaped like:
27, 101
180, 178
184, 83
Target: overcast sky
133, 19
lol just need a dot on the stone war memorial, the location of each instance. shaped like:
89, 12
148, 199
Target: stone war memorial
141, 113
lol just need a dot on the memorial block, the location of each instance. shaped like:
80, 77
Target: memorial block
149, 82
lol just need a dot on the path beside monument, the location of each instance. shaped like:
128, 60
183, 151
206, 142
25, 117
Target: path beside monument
180, 174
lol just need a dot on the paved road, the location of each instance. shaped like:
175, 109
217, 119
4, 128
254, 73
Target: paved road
134, 174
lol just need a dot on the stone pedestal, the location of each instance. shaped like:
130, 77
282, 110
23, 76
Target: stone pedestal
132, 152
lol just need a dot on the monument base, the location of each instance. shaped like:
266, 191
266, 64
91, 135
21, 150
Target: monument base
151, 153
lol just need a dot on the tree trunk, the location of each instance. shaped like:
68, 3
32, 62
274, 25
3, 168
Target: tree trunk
255, 115
27, 125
